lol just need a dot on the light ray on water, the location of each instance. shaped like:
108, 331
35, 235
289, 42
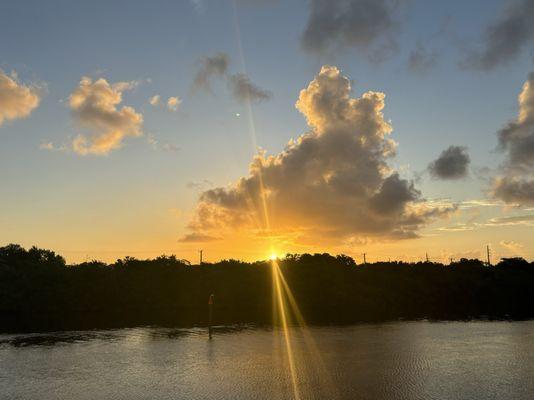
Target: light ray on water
286, 312
285, 328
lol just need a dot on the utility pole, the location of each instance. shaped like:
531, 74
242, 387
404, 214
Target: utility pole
426, 257
451, 261
488, 252
364, 259
200, 253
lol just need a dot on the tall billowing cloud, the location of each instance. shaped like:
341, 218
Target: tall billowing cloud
16, 99
333, 182
516, 139
214, 66
94, 108
244, 90
452, 163
506, 38
367, 25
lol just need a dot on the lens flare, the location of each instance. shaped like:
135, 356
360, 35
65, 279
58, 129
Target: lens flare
286, 312
281, 308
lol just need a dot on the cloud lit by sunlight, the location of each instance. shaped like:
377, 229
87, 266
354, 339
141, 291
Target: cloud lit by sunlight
17, 100
332, 183
94, 108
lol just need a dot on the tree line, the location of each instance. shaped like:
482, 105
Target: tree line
40, 292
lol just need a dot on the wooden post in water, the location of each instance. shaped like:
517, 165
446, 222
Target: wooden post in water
210, 305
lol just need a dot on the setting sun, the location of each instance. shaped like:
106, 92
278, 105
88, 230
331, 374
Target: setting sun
279, 199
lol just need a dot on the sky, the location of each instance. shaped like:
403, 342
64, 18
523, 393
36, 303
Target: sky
395, 128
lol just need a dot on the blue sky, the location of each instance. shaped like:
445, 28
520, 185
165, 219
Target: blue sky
159, 45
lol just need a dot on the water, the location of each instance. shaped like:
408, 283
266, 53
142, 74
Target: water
405, 360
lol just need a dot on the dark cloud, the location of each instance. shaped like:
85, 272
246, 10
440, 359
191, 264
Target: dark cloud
244, 90
516, 139
505, 39
209, 67
421, 59
367, 25
197, 238
514, 190
332, 183
241, 87
452, 163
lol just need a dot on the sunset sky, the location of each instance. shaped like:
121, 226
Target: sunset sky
251, 127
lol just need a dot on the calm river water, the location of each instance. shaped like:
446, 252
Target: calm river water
405, 360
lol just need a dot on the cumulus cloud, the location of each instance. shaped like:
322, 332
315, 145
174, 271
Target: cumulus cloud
244, 90
155, 100
514, 190
333, 182
94, 108
173, 103
367, 25
421, 59
209, 67
17, 100
452, 163
516, 140
505, 39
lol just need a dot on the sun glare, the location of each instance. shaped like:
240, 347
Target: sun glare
273, 257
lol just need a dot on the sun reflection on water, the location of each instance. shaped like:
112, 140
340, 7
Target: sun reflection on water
302, 356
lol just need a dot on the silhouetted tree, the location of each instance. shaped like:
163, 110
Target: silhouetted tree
38, 291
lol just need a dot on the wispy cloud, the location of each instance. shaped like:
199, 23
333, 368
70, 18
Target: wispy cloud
512, 246
527, 219
210, 67
421, 60
506, 38
368, 26
197, 238
244, 90
240, 85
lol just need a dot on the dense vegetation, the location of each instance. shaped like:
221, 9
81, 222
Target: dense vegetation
38, 291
